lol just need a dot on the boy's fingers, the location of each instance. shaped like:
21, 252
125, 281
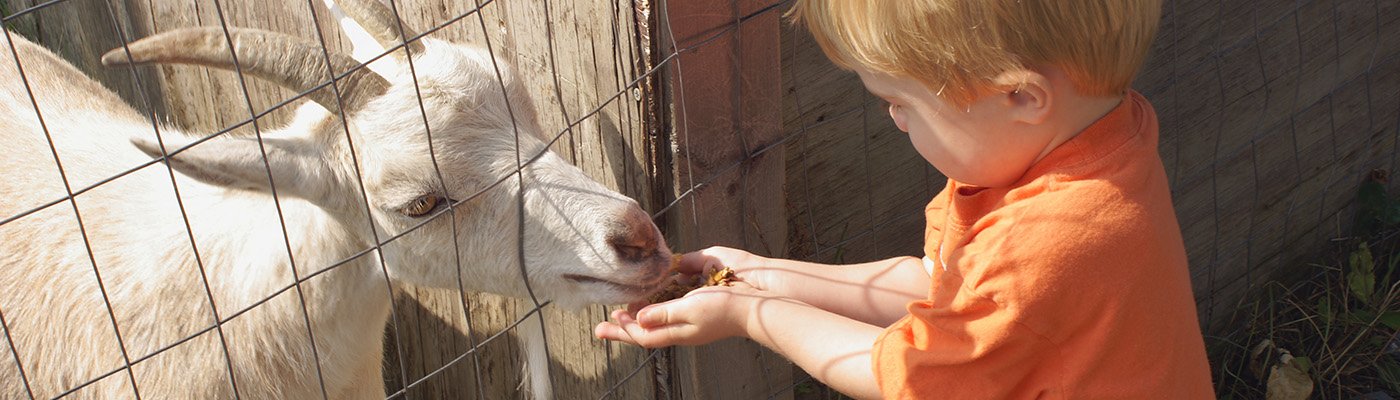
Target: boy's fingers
619, 313
663, 336
649, 338
654, 316
675, 311
692, 262
610, 331
625, 333
698, 261
686, 310
623, 328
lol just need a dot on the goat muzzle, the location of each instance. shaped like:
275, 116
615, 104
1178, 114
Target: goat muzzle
635, 239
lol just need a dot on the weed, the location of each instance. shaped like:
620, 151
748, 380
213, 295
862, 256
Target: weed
1334, 335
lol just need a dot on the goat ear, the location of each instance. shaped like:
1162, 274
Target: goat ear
364, 46
297, 169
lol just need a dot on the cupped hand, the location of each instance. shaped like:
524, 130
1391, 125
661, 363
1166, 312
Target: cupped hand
748, 267
701, 316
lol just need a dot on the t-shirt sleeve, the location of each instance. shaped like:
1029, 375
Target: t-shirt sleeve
934, 213
1024, 282
972, 337
934, 216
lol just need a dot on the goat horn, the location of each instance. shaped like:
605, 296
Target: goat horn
285, 60
380, 22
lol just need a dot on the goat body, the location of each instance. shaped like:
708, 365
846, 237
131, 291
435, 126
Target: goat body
112, 277
55, 309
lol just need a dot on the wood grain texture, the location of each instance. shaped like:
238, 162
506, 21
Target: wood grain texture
725, 85
578, 59
856, 187
1269, 117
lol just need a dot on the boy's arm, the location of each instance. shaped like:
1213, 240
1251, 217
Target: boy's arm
832, 348
875, 293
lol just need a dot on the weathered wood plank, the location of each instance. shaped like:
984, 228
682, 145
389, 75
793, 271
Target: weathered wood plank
852, 176
584, 46
1269, 119
729, 171
577, 59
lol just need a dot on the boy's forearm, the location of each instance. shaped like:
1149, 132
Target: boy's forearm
875, 293
830, 347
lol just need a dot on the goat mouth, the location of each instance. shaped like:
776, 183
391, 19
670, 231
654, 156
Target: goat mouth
642, 288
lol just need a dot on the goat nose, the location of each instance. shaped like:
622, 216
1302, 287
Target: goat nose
635, 238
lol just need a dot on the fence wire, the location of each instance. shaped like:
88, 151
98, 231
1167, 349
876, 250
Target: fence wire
87, 244
1206, 74
253, 120
1270, 118
254, 115
1287, 75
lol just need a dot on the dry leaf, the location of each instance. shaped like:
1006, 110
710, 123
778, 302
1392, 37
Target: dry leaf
724, 277
1288, 380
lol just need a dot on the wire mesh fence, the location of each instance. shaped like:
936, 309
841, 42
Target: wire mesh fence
591, 119
1271, 116
725, 123
592, 109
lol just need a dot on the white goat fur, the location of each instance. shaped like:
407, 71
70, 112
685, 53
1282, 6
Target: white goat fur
55, 312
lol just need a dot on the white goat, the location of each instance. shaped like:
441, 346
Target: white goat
582, 242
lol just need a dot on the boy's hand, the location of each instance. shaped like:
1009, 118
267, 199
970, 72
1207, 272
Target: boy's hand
748, 267
701, 316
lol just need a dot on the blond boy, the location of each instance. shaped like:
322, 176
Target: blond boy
1054, 265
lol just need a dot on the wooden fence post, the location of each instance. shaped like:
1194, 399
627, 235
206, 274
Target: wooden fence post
726, 90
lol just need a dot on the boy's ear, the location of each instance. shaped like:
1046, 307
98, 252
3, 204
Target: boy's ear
1028, 95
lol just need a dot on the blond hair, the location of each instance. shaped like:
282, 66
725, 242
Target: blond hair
957, 47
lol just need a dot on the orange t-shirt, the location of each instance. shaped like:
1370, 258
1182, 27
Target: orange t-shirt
1070, 284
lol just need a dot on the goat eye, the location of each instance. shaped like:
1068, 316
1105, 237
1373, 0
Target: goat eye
423, 205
